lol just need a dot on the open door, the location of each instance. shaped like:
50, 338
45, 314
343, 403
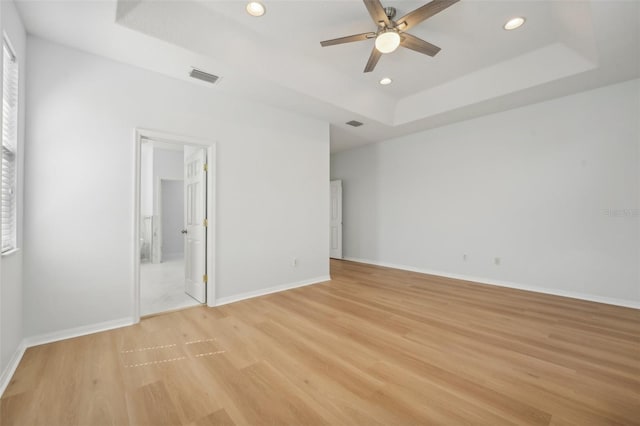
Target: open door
335, 231
195, 248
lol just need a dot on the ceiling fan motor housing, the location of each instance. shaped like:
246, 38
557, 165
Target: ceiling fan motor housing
390, 12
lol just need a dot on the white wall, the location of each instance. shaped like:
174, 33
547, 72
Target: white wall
552, 189
11, 329
272, 185
172, 201
168, 164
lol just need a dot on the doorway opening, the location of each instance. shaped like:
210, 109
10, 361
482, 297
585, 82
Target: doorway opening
173, 223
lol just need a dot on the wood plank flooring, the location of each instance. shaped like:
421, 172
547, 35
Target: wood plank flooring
374, 346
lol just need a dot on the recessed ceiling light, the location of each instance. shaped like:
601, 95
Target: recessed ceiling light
255, 8
514, 23
385, 81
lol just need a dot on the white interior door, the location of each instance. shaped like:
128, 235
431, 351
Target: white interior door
335, 230
195, 248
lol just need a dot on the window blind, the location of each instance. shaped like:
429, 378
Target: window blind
9, 147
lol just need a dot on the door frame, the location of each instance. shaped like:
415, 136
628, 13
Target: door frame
154, 135
337, 182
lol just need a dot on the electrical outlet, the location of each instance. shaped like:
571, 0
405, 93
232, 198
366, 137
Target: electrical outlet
464, 257
294, 262
496, 261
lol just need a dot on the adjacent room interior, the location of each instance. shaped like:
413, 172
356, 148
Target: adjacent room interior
320, 212
171, 209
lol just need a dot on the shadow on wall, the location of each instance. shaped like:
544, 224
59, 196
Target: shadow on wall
172, 200
359, 171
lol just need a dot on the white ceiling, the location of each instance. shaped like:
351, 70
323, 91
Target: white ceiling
564, 47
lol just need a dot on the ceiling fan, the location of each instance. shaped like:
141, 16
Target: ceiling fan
391, 34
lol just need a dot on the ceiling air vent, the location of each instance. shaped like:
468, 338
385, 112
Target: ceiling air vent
204, 76
354, 123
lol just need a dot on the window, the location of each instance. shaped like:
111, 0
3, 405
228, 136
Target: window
9, 147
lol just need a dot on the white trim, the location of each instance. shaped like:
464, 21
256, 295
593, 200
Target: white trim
137, 179
212, 214
11, 252
275, 289
70, 333
553, 291
167, 138
156, 228
11, 367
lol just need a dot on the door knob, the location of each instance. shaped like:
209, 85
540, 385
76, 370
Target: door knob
184, 231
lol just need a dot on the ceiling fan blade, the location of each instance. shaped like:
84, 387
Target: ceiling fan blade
373, 60
423, 12
348, 39
419, 45
377, 12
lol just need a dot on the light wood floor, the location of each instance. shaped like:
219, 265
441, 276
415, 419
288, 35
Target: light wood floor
373, 346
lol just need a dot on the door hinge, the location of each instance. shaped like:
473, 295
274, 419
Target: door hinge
205, 223
205, 166
205, 278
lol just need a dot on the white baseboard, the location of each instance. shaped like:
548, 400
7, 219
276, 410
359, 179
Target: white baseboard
76, 332
28, 342
555, 292
275, 289
11, 367
69, 333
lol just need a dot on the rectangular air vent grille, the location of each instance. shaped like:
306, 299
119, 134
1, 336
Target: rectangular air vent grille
354, 123
204, 76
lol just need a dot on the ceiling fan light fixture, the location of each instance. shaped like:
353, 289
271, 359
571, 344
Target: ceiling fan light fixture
255, 8
390, 34
385, 81
514, 23
387, 41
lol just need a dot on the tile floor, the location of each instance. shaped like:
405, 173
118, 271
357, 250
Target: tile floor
162, 287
